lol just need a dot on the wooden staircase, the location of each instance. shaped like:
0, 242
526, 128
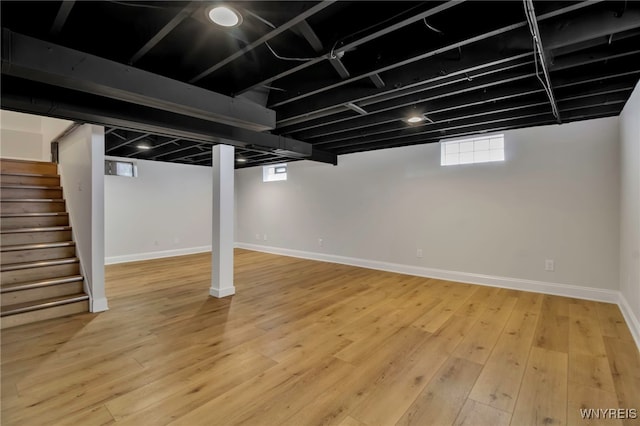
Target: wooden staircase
40, 274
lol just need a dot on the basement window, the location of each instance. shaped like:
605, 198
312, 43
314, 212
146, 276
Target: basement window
120, 168
274, 172
482, 149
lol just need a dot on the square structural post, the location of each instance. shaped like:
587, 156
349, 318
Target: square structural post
222, 226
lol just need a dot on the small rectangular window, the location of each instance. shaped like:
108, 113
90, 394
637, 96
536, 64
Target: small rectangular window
274, 172
482, 149
120, 168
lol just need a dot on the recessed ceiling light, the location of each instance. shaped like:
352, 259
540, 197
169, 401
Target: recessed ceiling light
143, 146
415, 119
224, 16
241, 160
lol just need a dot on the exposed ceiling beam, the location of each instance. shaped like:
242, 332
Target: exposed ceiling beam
265, 38
398, 129
314, 41
377, 81
606, 111
61, 17
169, 142
25, 96
127, 142
337, 65
198, 154
589, 27
118, 135
418, 99
33, 59
539, 52
348, 121
312, 38
339, 50
175, 151
164, 31
472, 127
598, 41
465, 68
528, 123
589, 58
426, 55
511, 97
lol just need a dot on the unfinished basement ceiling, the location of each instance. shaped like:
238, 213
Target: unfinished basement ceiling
345, 76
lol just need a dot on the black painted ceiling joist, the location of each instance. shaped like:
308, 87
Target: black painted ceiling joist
265, 38
468, 67
61, 17
164, 31
425, 55
338, 51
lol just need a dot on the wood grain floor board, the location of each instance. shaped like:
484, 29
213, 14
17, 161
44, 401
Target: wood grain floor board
312, 343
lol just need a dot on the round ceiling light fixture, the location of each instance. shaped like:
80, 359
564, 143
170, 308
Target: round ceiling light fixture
224, 16
415, 119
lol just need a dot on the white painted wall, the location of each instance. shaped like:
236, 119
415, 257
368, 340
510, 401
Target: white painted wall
27, 136
51, 128
630, 208
21, 136
81, 170
555, 197
165, 211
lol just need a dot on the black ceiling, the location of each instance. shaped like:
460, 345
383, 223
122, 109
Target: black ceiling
344, 76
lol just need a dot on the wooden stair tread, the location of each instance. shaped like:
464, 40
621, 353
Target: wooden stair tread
36, 246
39, 229
8, 288
16, 186
38, 264
21, 160
33, 200
42, 175
42, 304
28, 214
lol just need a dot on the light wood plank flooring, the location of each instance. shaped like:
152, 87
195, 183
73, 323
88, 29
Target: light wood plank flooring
311, 343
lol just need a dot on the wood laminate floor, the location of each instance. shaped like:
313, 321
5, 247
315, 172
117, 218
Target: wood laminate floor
311, 343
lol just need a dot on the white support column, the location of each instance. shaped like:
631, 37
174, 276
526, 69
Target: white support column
81, 167
222, 229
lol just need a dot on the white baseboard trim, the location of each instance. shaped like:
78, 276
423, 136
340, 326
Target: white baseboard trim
632, 320
155, 255
222, 292
99, 305
567, 290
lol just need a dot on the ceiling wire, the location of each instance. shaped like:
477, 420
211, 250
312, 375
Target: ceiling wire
431, 27
273, 52
148, 6
285, 58
341, 40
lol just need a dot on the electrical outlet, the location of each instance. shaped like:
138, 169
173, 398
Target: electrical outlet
257, 236
320, 242
549, 265
419, 253
264, 237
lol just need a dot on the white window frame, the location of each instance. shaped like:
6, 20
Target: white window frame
274, 172
112, 168
472, 150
